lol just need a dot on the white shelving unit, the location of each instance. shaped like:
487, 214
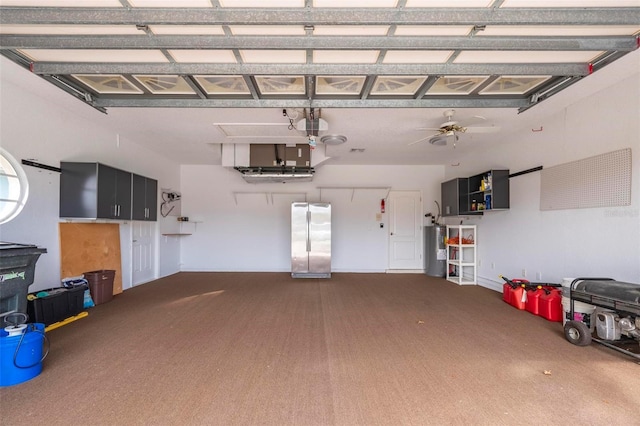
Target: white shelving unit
461, 254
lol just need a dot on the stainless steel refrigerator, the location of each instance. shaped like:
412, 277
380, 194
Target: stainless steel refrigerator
311, 240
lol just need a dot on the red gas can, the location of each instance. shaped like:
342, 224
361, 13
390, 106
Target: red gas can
518, 297
533, 300
506, 292
550, 306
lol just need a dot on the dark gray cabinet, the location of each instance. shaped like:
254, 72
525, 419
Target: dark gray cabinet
476, 194
145, 198
489, 191
454, 195
94, 191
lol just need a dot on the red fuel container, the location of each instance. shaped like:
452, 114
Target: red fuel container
550, 306
506, 293
518, 297
533, 300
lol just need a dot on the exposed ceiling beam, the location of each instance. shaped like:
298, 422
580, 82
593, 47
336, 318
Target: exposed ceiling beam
143, 41
321, 16
448, 102
309, 69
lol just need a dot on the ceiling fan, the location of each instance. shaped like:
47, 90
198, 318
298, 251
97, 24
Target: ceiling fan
450, 129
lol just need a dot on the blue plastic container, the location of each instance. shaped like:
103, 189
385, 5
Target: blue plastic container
28, 362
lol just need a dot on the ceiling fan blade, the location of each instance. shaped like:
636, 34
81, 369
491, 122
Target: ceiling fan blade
419, 140
490, 129
435, 129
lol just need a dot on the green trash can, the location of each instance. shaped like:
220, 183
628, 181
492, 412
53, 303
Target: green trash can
101, 285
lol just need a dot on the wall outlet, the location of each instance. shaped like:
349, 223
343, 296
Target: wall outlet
493, 265
524, 273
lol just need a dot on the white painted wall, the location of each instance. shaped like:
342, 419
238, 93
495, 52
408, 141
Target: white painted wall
254, 233
565, 243
40, 122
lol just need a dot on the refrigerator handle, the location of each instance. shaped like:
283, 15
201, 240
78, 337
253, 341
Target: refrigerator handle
308, 231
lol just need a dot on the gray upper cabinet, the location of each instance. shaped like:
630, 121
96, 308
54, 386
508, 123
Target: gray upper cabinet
145, 198
455, 197
476, 194
94, 191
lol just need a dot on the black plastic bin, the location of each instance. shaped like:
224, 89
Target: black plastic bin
57, 305
101, 285
17, 270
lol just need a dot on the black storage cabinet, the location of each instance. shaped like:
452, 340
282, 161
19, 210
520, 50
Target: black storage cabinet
94, 191
17, 270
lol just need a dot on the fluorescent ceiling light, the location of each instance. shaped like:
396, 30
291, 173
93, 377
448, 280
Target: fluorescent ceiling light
351, 30
417, 56
203, 56
187, 29
274, 56
433, 30
87, 55
69, 29
345, 56
523, 57
267, 29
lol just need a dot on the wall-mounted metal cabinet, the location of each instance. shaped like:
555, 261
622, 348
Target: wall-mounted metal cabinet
476, 194
454, 195
94, 191
144, 199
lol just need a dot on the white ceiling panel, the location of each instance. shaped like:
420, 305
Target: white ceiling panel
433, 30
394, 85
523, 57
449, 3
355, 3
261, 3
267, 29
274, 56
70, 29
103, 56
518, 84
61, 3
345, 56
417, 56
203, 56
348, 30
170, 3
109, 84
559, 30
570, 3
223, 84
165, 84
187, 29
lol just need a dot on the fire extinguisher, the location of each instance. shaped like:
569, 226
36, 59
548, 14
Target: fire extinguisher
382, 206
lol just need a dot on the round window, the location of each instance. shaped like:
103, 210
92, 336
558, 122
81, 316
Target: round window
14, 189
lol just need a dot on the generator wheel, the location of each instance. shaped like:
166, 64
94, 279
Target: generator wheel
577, 333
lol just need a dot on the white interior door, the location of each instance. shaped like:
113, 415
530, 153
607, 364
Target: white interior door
405, 230
143, 254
